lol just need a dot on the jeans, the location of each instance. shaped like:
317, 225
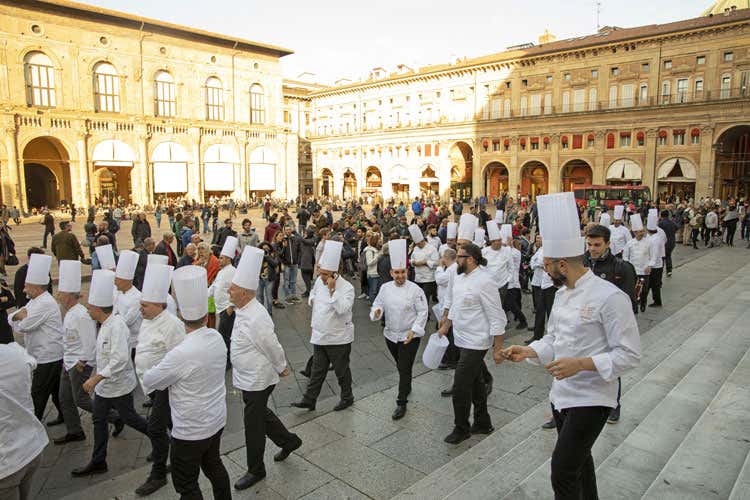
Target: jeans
264, 294
290, 280
404, 355
261, 422
189, 458
469, 387
159, 421
158, 220
372, 287
205, 226
323, 356
124, 406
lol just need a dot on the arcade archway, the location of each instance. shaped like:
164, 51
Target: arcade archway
534, 179
113, 162
495, 179
429, 185
576, 173
733, 163
373, 182
46, 173
462, 162
326, 182
350, 185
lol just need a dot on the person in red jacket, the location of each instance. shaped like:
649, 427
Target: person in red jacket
272, 228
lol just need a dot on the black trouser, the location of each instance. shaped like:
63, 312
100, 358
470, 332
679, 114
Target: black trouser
469, 388
511, 300
363, 282
102, 408
226, 323
654, 284
323, 356
450, 357
668, 258
745, 230
619, 391
47, 232
731, 226
159, 420
545, 300
430, 290
404, 355
573, 472
694, 236
45, 382
261, 422
189, 458
307, 276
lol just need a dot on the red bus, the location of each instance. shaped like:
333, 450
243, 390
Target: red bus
611, 195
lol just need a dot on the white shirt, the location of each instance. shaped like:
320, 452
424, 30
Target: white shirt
435, 241
332, 314
658, 251
219, 289
618, 238
257, 355
128, 306
194, 373
113, 359
476, 311
79, 338
499, 263
42, 329
515, 269
443, 248
595, 319
638, 253
426, 273
604, 219
405, 309
157, 337
540, 277
22, 436
444, 277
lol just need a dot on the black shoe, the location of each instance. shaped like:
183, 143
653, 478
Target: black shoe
399, 412
69, 438
447, 393
343, 404
654, 304
456, 437
447, 366
90, 469
248, 480
304, 404
119, 427
305, 373
549, 424
530, 329
643, 307
522, 326
148, 403
277, 305
614, 416
488, 386
478, 429
59, 420
150, 486
285, 452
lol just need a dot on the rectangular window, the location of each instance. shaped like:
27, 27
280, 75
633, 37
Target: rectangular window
496, 109
524, 105
678, 137
594, 73
534, 146
612, 97
661, 141
668, 64
536, 104
592, 99
665, 90
579, 100
614, 71
567, 77
624, 140
700, 60
577, 141
166, 100
524, 83
40, 82
215, 104
495, 146
549, 78
726, 87
645, 67
257, 107
287, 117
590, 142
682, 90
695, 139
698, 88
643, 94
728, 56
107, 89
566, 102
506, 108
626, 99
547, 104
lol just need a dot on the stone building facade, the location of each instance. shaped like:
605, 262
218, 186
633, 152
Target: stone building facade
97, 104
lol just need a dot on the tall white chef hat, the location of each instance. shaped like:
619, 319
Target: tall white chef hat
636, 224
499, 216
559, 225
106, 257
493, 232
397, 252
331, 257
191, 287
38, 271
70, 276
156, 284
451, 231
126, 265
619, 211
604, 219
479, 237
155, 258
101, 291
506, 231
230, 247
466, 226
248, 270
416, 233
653, 219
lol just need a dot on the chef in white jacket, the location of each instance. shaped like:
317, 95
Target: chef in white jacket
638, 252
592, 339
405, 307
331, 298
499, 258
23, 436
544, 291
425, 259
619, 235
657, 240
219, 290
194, 374
40, 322
604, 218
127, 303
451, 232
160, 332
114, 381
445, 274
154, 258
258, 361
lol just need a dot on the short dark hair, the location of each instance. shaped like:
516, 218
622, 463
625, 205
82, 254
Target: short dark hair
106, 309
665, 213
475, 253
599, 231
33, 250
195, 323
227, 220
245, 221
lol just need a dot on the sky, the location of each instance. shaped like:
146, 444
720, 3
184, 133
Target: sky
346, 38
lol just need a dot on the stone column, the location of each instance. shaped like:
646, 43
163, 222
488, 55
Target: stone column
13, 189
81, 191
141, 177
243, 187
195, 169
599, 169
705, 177
649, 169
554, 184
514, 170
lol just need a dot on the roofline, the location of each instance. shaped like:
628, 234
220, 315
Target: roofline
141, 23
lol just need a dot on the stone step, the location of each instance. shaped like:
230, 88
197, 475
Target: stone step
661, 342
741, 489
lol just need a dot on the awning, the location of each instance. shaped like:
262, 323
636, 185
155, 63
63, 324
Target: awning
113, 153
677, 170
624, 170
399, 175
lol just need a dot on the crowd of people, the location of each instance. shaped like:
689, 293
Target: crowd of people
171, 317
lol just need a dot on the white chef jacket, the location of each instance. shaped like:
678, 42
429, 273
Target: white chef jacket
113, 359
444, 277
540, 277
219, 289
435, 241
638, 253
128, 306
332, 315
476, 311
425, 274
618, 238
515, 268
79, 338
595, 319
257, 355
499, 263
42, 329
405, 309
22, 435
658, 251
194, 373
157, 337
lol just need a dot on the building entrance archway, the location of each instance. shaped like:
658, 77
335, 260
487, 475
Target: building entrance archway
326, 182
46, 173
350, 185
113, 162
495, 179
732, 169
576, 173
462, 164
429, 185
373, 183
534, 179
41, 186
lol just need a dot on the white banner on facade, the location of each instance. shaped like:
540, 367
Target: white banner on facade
218, 176
262, 177
170, 177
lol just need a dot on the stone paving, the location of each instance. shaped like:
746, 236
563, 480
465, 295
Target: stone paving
360, 452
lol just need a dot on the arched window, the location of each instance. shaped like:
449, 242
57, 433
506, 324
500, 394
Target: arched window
165, 98
214, 99
257, 105
106, 88
40, 80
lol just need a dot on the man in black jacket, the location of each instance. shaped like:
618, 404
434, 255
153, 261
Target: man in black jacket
19, 280
165, 248
290, 253
49, 227
670, 229
220, 236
